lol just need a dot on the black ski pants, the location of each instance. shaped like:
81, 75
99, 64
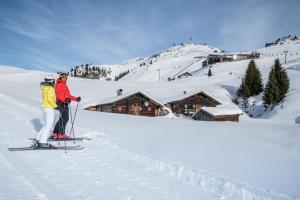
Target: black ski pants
60, 126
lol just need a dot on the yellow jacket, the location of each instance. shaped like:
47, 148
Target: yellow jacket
48, 95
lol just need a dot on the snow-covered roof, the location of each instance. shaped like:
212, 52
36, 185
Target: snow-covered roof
186, 95
222, 110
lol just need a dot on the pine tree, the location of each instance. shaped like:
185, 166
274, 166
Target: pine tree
251, 83
209, 72
272, 93
86, 71
282, 79
253, 79
75, 71
243, 91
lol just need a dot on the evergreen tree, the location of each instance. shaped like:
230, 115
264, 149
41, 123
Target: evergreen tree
86, 71
251, 83
272, 93
282, 79
253, 79
75, 71
243, 91
209, 72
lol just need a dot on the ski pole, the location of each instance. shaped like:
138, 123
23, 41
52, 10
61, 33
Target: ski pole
70, 111
72, 128
72, 122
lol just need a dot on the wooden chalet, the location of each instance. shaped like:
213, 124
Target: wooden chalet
188, 104
217, 114
134, 104
184, 75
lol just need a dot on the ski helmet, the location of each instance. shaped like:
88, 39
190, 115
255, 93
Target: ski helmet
64, 74
49, 78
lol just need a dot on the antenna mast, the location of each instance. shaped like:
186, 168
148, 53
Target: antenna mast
190, 37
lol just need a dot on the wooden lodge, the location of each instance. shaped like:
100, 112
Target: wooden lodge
184, 75
217, 114
188, 104
134, 104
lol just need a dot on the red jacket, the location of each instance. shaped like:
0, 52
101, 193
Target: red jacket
62, 91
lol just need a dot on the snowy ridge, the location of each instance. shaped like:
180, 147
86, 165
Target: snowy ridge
292, 48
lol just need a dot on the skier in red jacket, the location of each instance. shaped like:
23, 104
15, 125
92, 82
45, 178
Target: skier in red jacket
63, 98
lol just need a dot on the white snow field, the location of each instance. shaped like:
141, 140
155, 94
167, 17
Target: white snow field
134, 157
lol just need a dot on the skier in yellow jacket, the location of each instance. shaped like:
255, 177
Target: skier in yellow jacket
49, 112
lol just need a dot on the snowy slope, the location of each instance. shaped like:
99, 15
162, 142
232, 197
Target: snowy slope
133, 157
292, 48
168, 63
130, 65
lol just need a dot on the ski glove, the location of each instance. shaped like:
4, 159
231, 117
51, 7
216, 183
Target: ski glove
68, 100
78, 99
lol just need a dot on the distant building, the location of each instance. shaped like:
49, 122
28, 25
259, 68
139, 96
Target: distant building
218, 113
217, 58
184, 75
244, 56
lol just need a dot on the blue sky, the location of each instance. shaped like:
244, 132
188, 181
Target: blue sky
56, 35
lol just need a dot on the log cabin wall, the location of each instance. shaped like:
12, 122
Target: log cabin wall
234, 118
136, 104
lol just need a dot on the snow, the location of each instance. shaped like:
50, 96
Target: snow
221, 110
134, 157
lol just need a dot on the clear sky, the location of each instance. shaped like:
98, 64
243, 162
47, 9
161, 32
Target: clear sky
57, 34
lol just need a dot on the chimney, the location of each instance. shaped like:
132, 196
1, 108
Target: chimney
184, 92
119, 92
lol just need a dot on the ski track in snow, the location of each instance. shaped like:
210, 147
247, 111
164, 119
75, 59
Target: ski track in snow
105, 166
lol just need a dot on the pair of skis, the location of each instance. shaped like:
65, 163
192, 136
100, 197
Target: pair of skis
54, 147
66, 148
